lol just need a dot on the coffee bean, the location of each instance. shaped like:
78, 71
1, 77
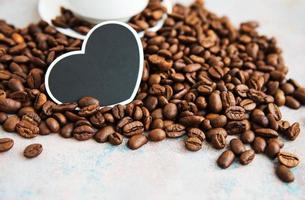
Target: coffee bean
217, 121
215, 103
118, 111
246, 157
237, 127
235, 113
247, 137
276, 140
175, 130
191, 121
87, 101
237, 146
225, 159
210, 133
273, 148
137, 141
299, 94
292, 102
10, 123
6, 144
67, 130
170, 111
259, 117
288, 159
3, 117
259, 145
279, 98
9, 105
103, 134
133, 128
157, 124
266, 133
115, 138
157, 135
83, 132
53, 125
27, 129
284, 174
196, 132
32, 150
218, 141
248, 104
64, 107
193, 144
293, 131
44, 129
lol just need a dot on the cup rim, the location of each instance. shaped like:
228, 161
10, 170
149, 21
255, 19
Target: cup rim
76, 12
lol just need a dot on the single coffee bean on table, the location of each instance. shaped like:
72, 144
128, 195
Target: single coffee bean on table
32, 150
6, 144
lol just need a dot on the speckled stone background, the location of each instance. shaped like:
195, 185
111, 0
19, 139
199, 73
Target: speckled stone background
68, 169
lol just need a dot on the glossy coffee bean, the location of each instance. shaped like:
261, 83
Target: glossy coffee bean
284, 174
157, 135
103, 134
226, 159
137, 141
237, 146
6, 144
272, 149
193, 144
32, 150
10, 123
247, 157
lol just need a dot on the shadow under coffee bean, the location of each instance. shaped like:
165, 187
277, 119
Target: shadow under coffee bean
203, 79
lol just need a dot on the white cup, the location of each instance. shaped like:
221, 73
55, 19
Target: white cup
97, 11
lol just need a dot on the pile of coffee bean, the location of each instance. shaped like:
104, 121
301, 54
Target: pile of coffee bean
148, 18
203, 79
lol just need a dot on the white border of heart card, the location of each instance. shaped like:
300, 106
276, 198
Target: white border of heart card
109, 67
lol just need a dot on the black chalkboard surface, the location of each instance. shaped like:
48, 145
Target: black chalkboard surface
109, 67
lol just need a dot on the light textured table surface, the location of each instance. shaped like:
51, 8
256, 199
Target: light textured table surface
68, 169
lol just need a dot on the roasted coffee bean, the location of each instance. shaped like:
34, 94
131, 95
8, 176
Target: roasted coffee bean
292, 102
191, 121
33, 150
61, 118
98, 119
175, 130
196, 132
237, 146
274, 111
235, 113
248, 104
157, 135
193, 144
118, 111
27, 129
53, 125
225, 159
276, 140
210, 133
293, 131
64, 107
259, 145
217, 121
284, 174
237, 127
115, 138
73, 117
273, 148
3, 117
266, 133
247, 137
137, 141
133, 128
157, 124
9, 105
215, 103
67, 130
87, 101
122, 123
299, 94
44, 129
218, 141
84, 132
279, 98
10, 123
88, 110
170, 111
288, 159
259, 117
103, 134
246, 157
6, 144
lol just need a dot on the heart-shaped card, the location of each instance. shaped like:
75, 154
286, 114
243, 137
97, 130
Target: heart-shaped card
108, 67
